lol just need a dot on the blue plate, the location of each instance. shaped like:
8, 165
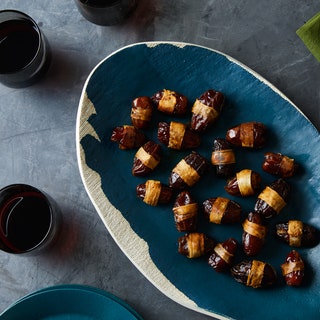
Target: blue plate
147, 235
70, 302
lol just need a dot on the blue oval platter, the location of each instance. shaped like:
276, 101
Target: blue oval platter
146, 234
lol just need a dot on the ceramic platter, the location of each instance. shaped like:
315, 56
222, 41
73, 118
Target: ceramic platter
147, 235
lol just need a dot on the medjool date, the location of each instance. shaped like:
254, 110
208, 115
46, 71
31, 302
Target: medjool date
128, 137
141, 112
279, 165
293, 269
206, 109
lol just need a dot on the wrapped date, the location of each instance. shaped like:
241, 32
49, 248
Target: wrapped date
273, 198
188, 171
248, 135
206, 109
222, 257
279, 165
170, 102
185, 210
195, 244
141, 112
255, 274
223, 158
297, 233
254, 233
146, 159
178, 136
293, 269
153, 192
128, 137
245, 183
221, 210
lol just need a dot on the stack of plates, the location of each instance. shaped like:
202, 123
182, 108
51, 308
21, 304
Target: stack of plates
72, 302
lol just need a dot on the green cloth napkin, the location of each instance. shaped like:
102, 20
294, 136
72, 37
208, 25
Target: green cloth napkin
309, 33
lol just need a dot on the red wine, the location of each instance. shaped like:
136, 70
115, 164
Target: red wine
19, 43
25, 220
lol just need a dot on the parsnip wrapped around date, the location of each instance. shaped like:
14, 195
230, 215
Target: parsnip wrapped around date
206, 109
185, 210
254, 233
223, 254
221, 210
128, 137
245, 183
248, 135
279, 165
255, 274
297, 233
153, 192
178, 136
170, 102
195, 245
273, 198
223, 158
141, 112
146, 159
188, 171
293, 269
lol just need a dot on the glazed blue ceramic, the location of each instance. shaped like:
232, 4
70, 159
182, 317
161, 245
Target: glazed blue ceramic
147, 235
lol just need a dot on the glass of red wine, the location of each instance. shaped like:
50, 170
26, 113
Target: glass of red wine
29, 219
106, 12
24, 51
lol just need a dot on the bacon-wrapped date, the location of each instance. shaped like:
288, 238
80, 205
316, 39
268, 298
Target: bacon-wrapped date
185, 211
170, 102
248, 135
255, 274
279, 165
141, 112
195, 244
128, 137
221, 210
245, 183
188, 171
146, 159
223, 158
206, 109
178, 136
297, 233
293, 269
153, 192
273, 198
254, 233
222, 257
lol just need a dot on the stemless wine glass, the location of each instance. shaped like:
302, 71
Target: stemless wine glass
106, 12
24, 51
29, 219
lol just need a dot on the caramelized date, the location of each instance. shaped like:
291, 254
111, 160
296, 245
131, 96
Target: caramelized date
128, 137
293, 269
279, 165
206, 109
222, 257
141, 112
297, 233
273, 198
188, 171
195, 245
146, 159
255, 274
248, 135
246, 183
254, 233
185, 210
223, 158
222, 210
170, 102
178, 136
153, 192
